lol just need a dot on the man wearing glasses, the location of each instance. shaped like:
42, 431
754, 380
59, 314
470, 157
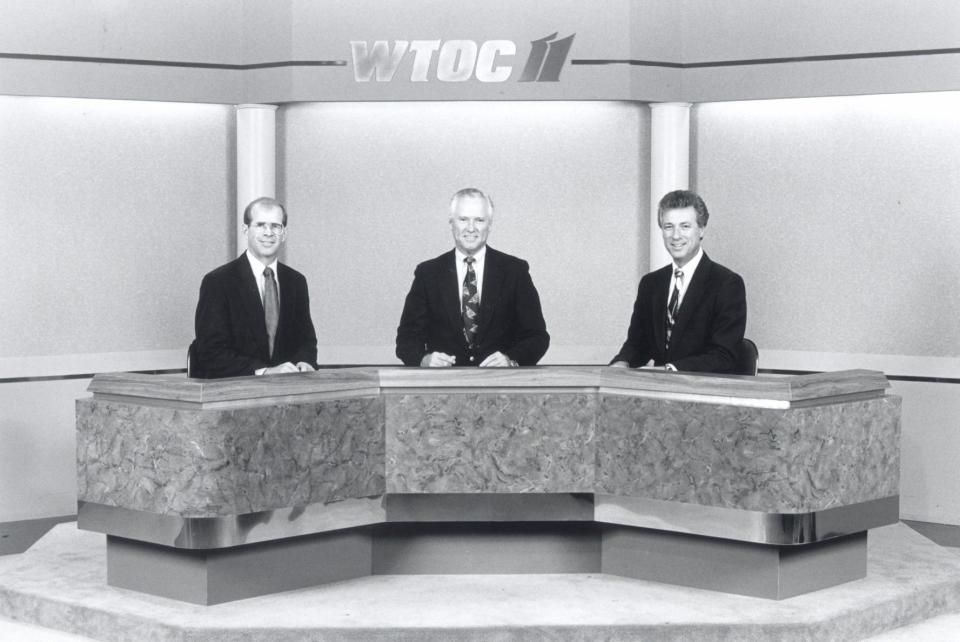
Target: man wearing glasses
253, 315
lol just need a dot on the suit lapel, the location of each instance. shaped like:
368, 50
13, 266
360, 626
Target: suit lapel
450, 290
287, 303
250, 295
693, 295
661, 284
492, 284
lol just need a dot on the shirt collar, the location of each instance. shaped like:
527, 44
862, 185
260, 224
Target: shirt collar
479, 255
691, 265
258, 267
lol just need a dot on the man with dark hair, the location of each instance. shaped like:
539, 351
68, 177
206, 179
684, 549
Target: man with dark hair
691, 314
253, 315
473, 305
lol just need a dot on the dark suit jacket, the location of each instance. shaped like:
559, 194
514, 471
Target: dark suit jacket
510, 317
709, 326
230, 326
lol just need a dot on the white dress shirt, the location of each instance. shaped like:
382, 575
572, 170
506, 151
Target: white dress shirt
478, 264
688, 271
258, 268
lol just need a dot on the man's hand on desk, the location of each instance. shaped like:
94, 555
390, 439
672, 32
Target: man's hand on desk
286, 366
498, 360
623, 364
437, 360
667, 367
648, 366
303, 366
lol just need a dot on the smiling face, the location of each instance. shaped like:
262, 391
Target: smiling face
265, 232
470, 223
681, 233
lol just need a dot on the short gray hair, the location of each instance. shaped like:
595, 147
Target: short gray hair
470, 192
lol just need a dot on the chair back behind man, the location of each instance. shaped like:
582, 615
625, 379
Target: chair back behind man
191, 359
747, 358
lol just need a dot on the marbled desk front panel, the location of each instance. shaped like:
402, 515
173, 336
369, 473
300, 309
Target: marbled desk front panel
466, 442
222, 461
206, 463
778, 461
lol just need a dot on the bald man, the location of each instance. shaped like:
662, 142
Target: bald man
253, 314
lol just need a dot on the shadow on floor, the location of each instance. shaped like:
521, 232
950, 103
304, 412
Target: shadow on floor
942, 534
16, 537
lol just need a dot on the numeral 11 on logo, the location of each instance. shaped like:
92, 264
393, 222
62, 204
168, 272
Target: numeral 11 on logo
546, 59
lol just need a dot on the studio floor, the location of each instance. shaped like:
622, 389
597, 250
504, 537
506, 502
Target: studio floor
57, 591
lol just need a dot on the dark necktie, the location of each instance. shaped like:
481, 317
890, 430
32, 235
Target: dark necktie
470, 300
271, 307
674, 306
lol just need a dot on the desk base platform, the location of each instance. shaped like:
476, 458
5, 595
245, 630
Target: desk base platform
221, 575
60, 584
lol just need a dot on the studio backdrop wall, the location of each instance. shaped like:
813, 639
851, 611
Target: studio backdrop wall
841, 214
368, 187
114, 211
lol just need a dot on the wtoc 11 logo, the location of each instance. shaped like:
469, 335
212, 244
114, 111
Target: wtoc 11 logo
460, 60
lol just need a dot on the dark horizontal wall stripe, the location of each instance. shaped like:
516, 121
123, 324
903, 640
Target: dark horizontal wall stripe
87, 375
171, 63
627, 61
395, 365
90, 375
890, 377
765, 61
580, 61
774, 371
923, 379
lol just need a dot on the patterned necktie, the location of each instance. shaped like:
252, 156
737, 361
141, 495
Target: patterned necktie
470, 303
674, 306
271, 307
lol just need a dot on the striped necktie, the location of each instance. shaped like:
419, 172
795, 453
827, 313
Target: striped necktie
674, 306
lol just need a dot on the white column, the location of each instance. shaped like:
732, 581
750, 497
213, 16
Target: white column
669, 165
256, 159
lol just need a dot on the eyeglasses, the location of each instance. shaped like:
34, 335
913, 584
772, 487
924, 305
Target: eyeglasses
263, 228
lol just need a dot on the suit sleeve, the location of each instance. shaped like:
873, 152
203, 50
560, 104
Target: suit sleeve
635, 350
215, 350
306, 349
727, 326
412, 331
531, 338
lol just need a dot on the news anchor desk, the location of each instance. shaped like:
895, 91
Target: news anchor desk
215, 490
